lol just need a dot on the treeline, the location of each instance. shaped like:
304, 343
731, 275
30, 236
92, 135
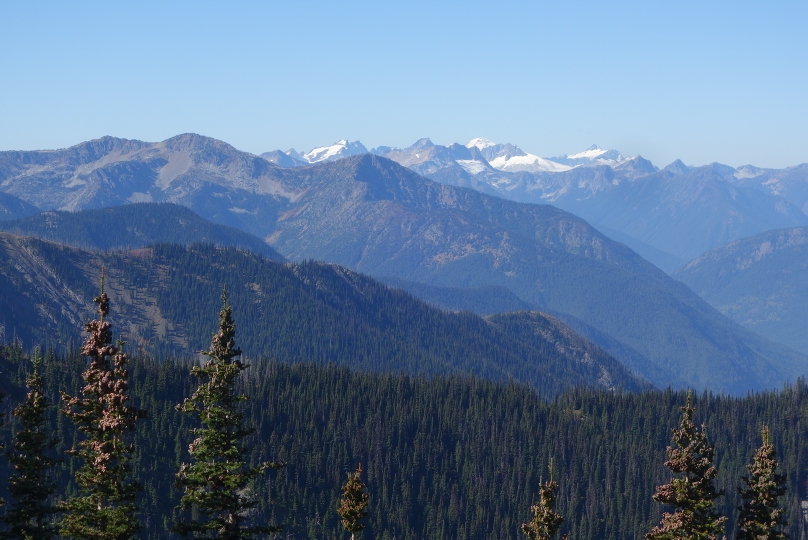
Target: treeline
443, 457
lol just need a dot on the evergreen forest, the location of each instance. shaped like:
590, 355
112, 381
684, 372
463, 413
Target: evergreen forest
443, 457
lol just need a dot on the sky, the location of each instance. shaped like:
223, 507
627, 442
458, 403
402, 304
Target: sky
702, 81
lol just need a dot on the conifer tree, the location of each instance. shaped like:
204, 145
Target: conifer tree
692, 492
216, 484
30, 483
761, 517
546, 521
354, 502
105, 508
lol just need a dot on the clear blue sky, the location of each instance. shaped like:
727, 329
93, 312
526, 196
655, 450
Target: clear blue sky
701, 81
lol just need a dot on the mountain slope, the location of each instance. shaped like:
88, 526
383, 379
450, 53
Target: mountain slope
669, 210
680, 215
165, 300
790, 183
679, 212
761, 282
12, 207
133, 226
387, 221
373, 215
684, 215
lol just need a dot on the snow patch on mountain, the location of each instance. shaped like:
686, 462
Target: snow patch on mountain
472, 166
510, 158
480, 143
527, 162
594, 155
749, 171
590, 153
338, 150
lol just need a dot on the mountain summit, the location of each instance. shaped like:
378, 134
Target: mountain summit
338, 150
511, 158
594, 155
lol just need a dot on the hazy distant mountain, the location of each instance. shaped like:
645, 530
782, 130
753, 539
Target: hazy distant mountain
790, 183
610, 191
133, 226
12, 207
370, 214
594, 155
760, 282
683, 215
677, 167
166, 299
678, 213
285, 159
507, 157
338, 150
425, 157
634, 168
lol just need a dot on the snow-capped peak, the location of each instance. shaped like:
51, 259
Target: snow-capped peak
527, 162
338, 150
594, 155
480, 143
510, 158
592, 152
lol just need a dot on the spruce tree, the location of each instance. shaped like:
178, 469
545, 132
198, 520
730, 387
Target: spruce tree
216, 484
761, 517
30, 483
546, 521
354, 502
105, 507
692, 492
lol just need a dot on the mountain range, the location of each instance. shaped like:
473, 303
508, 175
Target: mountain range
669, 216
373, 215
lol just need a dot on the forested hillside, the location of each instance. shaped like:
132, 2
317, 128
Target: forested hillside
134, 226
165, 300
760, 282
445, 458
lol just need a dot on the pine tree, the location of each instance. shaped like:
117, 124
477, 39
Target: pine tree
546, 521
761, 517
354, 502
30, 483
693, 492
216, 484
105, 507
